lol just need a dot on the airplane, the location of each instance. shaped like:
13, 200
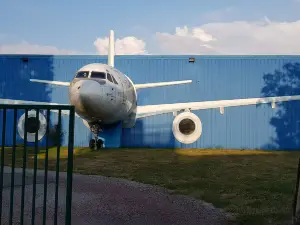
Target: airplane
103, 97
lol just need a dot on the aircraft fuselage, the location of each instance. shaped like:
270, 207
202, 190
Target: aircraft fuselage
101, 93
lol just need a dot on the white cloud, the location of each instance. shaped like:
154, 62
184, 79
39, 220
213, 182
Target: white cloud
185, 42
126, 46
26, 48
240, 37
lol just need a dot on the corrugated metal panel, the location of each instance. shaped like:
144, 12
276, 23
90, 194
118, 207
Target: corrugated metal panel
214, 78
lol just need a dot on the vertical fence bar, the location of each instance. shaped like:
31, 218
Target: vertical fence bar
35, 169
12, 182
57, 167
70, 166
25, 156
296, 208
2, 159
46, 167
24, 167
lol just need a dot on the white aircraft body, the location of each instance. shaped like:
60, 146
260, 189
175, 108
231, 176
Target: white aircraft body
103, 97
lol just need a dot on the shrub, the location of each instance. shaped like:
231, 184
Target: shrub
55, 137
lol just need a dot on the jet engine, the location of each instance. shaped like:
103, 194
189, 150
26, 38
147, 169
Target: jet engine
187, 127
33, 126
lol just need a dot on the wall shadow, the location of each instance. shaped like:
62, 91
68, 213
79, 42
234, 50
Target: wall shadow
16, 70
286, 121
133, 137
148, 136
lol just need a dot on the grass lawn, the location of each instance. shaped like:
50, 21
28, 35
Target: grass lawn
257, 186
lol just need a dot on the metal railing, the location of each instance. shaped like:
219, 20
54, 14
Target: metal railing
296, 202
5, 109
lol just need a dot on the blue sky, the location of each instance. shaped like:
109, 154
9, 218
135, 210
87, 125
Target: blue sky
75, 25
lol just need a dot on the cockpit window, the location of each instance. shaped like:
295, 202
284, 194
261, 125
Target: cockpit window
114, 79
82, 74
100, 75
109, 77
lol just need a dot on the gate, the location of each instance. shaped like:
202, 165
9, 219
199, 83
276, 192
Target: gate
21, 206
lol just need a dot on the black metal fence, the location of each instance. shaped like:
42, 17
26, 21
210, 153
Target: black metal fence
296, 202
17, 213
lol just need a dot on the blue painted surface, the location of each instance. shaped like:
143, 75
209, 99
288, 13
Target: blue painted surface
214, 78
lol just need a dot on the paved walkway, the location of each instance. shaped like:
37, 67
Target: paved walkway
100, 200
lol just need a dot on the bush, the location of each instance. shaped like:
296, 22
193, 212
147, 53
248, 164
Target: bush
55, 137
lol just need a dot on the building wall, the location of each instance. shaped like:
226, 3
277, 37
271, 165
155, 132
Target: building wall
214, 78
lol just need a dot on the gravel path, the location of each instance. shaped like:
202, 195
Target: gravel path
101, 200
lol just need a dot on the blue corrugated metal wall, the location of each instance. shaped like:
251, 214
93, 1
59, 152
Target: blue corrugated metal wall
214, 78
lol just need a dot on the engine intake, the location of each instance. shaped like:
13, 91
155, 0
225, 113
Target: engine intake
187, 127
33, 126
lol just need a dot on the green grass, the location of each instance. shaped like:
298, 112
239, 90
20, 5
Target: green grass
257, 186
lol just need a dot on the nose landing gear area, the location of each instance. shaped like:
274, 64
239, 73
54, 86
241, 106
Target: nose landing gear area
96, 144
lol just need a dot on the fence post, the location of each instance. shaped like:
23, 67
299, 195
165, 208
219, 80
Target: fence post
2, 159
70, 166
296, 203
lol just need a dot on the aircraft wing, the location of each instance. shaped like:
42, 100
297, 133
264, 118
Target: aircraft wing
160, 84
12, 102
61, 83
137, 86
152, 110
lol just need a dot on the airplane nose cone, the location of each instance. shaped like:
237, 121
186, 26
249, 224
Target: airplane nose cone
87, 96
90, 91
93, 99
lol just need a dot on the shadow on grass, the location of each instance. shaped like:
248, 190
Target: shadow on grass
257, 186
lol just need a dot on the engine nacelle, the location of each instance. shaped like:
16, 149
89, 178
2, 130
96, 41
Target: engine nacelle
32, 126
187, 127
